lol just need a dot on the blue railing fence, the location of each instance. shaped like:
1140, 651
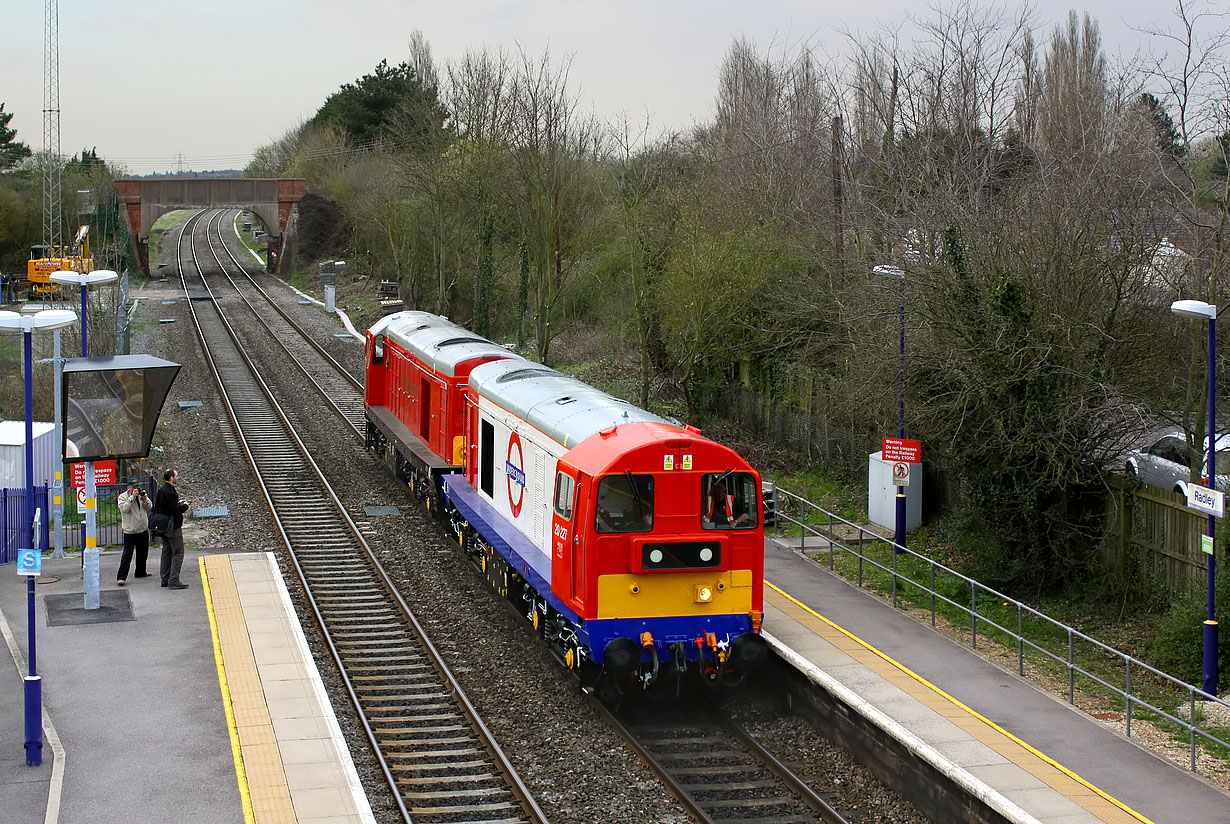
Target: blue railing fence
14, 520
1101, 669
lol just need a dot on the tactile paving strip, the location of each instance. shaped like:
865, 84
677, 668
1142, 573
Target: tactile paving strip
261, 756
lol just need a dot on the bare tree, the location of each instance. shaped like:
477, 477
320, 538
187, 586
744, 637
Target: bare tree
552, 147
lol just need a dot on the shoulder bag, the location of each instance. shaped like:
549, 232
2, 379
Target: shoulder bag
160, 523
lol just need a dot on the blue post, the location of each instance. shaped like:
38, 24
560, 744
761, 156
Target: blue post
33, 685
27, 524
1210, 625
899, 532
34, 718
85, 350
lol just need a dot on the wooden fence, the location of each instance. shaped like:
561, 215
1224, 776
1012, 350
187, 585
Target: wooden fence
1150, 532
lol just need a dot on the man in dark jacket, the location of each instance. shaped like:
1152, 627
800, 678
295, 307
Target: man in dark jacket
168, 502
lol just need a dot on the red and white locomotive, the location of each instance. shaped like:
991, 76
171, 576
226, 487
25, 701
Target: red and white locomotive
632, 544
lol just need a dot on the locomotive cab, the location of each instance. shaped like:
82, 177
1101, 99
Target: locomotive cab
664, 563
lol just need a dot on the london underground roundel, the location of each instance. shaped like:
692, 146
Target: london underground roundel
515, 472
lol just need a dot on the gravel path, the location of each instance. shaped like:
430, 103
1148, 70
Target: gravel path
579, 771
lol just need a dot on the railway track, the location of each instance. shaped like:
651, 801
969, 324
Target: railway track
718, 771
436, 754
341, 390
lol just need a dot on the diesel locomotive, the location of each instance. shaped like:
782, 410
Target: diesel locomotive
633, 545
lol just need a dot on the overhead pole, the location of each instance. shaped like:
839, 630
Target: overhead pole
51, 130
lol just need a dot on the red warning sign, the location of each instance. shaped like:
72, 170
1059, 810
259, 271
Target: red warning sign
104, 473
901, 449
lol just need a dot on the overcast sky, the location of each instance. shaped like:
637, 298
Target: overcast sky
144, 81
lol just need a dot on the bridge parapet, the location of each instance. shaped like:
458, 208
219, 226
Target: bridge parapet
271, 199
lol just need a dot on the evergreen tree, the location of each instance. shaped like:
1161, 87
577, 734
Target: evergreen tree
1221, 152
12, 150
1155, 114
364, 109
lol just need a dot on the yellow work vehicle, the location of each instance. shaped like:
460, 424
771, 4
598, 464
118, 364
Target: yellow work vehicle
47, 259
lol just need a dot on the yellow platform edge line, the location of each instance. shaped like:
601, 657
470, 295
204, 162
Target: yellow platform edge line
1111, 799
245, 794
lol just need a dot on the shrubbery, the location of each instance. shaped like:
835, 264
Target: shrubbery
1179, 646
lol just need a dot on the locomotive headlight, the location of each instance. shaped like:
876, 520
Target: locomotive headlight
703, 593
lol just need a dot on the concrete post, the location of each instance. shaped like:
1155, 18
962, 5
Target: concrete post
57, 483
89, 556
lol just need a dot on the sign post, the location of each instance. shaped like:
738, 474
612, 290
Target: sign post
901, 452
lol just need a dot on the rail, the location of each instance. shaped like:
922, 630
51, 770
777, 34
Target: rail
886, 556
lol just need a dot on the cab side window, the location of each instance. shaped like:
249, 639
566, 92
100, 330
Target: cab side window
728, 501
625, 503
565, 490
378, 350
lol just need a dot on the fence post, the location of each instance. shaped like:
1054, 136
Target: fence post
1071, 671
860, 564
4, 526
932, 593
973, 590
894, 576
1191, 728
802, 526
1128, 696
1020, 640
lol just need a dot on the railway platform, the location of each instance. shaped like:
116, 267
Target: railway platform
196, 705
1024, 753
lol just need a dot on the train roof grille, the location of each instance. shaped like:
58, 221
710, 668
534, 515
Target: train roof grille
455, 341
518, 374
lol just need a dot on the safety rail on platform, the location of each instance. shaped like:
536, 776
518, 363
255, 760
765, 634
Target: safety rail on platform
861, 543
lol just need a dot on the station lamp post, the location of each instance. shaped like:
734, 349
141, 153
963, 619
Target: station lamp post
1206, 311
89, 552
899, 274
85, 280
48, 319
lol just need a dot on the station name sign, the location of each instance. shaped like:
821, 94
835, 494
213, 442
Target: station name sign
1209, 501
901, 449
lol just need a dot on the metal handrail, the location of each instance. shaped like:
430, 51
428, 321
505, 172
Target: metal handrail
787, 501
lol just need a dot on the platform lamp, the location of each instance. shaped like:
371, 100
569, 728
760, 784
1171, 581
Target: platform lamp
899, 274
47, 320
1206, 311
85, 280
89, 550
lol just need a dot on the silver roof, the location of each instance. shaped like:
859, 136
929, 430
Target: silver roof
436, 340
564, 408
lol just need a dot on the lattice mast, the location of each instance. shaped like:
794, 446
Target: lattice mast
51, 131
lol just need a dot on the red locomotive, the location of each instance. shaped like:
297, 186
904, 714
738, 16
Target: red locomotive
633, 545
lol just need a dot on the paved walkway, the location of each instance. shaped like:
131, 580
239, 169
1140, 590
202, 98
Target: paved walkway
1036, 757
134, 693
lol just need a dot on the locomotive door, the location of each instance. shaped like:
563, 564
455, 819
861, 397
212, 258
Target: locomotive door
567, 546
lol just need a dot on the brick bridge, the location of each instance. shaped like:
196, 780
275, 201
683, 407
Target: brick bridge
145, 201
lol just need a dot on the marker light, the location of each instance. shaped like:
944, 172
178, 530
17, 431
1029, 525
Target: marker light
704, 593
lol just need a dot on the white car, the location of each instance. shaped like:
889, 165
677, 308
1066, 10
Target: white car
1164, 463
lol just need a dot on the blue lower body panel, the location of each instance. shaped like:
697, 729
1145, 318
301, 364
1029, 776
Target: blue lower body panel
506, 539
667, 630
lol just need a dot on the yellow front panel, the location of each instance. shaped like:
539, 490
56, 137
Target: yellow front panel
672, 593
